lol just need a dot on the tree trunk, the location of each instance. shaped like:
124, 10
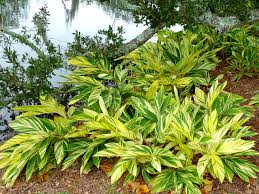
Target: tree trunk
138, 41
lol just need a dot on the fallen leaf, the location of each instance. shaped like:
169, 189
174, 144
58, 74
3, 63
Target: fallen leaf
43, 177
106, 167
132, 185
206, 189
142, 189
138, 187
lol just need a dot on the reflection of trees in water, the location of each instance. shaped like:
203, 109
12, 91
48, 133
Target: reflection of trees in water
11, 11
70, 13
113, 8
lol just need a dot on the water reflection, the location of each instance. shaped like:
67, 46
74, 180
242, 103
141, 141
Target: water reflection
66, 17
113, 9
11, 11
70, 12
15, 12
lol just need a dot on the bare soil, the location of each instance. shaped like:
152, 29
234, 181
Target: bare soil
245, 87
96, 182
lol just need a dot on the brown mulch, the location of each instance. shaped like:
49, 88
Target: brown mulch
96, 182
245, 87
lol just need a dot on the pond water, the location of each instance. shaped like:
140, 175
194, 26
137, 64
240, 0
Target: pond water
66, 16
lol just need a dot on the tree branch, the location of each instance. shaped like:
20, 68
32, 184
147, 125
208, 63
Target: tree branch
23, 40
139, 40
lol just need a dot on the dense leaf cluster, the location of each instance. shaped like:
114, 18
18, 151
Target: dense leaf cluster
105, 42
243, 48
158, 113
232, 7
154, 12
26, 74
23, 85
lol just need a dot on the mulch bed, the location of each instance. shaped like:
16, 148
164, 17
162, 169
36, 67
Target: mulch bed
245, 87
96, 182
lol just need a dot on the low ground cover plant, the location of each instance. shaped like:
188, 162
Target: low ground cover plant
158, 113
244, 50
95, 77
157, 139
238, 48
176, 59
